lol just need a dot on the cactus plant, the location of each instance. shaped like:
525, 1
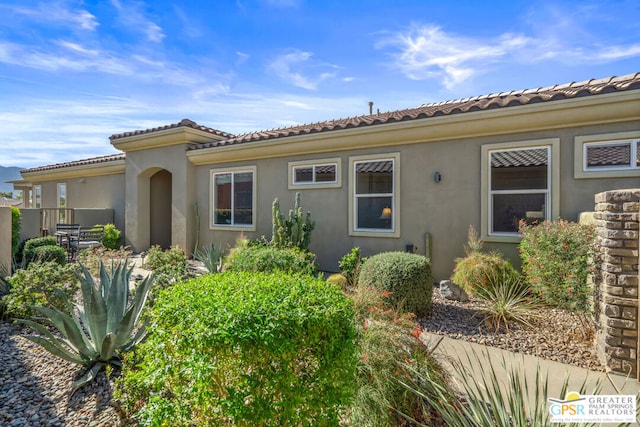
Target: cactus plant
294, 231
99, 330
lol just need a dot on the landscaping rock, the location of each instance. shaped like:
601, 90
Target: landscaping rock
450, 290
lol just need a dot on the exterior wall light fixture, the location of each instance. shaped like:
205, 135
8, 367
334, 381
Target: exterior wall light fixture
437, 177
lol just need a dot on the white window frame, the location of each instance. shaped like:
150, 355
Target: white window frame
62, 215
37, 196
581, 142
552, 208
337, 162
233, 227
395, 196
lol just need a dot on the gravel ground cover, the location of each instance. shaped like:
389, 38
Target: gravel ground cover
555, 335
35, 387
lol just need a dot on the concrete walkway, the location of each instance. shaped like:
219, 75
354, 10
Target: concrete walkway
477, 359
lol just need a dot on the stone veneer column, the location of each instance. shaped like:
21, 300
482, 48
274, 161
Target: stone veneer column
616, 279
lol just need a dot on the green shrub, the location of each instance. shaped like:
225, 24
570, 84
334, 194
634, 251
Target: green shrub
556, 260
16, 224
265, 349
111, 237
406, 276
350, 266
50, 253
47, 284
269, 258
169, 266
157, 257
31, 244
294, 231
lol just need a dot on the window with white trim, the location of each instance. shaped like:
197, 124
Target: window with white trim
374, 188
611, 155
519, 187
520, 181
233, 198
37, 196
323, 173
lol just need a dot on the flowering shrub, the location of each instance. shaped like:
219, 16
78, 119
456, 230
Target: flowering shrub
556, 258
390, 353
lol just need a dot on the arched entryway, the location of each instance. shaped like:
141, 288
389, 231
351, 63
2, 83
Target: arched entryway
160, 208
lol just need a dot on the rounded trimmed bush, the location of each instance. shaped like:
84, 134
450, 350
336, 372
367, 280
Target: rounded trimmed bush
242, 348
31, 244
406, 276
269, 258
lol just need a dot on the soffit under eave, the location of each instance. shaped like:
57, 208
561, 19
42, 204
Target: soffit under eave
164, 138
574, 112
113, 168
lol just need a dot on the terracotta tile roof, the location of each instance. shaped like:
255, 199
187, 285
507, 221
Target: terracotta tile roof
84, 162
183, 123
425, 111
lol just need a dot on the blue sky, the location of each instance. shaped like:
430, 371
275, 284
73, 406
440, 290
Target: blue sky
74, 72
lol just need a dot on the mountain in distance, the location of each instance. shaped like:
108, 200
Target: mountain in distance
8, 173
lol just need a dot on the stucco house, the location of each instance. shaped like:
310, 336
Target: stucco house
382, 181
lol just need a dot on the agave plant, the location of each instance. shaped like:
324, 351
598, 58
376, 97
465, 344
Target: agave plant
96, 332
211, 258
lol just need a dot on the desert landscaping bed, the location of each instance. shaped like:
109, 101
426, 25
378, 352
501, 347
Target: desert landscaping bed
556, 335
35, 386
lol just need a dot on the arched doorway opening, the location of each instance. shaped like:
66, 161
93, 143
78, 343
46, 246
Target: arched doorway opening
160, 198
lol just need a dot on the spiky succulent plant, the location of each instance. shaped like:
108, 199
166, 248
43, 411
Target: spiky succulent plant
96, 332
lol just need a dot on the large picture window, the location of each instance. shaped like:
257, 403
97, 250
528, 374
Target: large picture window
521, 181
233, 198
374, 188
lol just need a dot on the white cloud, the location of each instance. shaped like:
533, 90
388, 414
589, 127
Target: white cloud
57, 13
429, 52
133, 18
290, 67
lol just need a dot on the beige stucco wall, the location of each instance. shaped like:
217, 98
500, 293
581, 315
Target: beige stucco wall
91, 192
141, 165
444, 209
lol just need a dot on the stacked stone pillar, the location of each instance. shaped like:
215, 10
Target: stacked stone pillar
616, 279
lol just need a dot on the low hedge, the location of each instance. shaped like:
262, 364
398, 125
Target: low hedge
31, 244
244, 348
405, 276
267, 258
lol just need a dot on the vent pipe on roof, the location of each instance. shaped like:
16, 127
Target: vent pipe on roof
370, 107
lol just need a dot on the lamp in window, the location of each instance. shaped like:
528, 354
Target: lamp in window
385, 216
386, 213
